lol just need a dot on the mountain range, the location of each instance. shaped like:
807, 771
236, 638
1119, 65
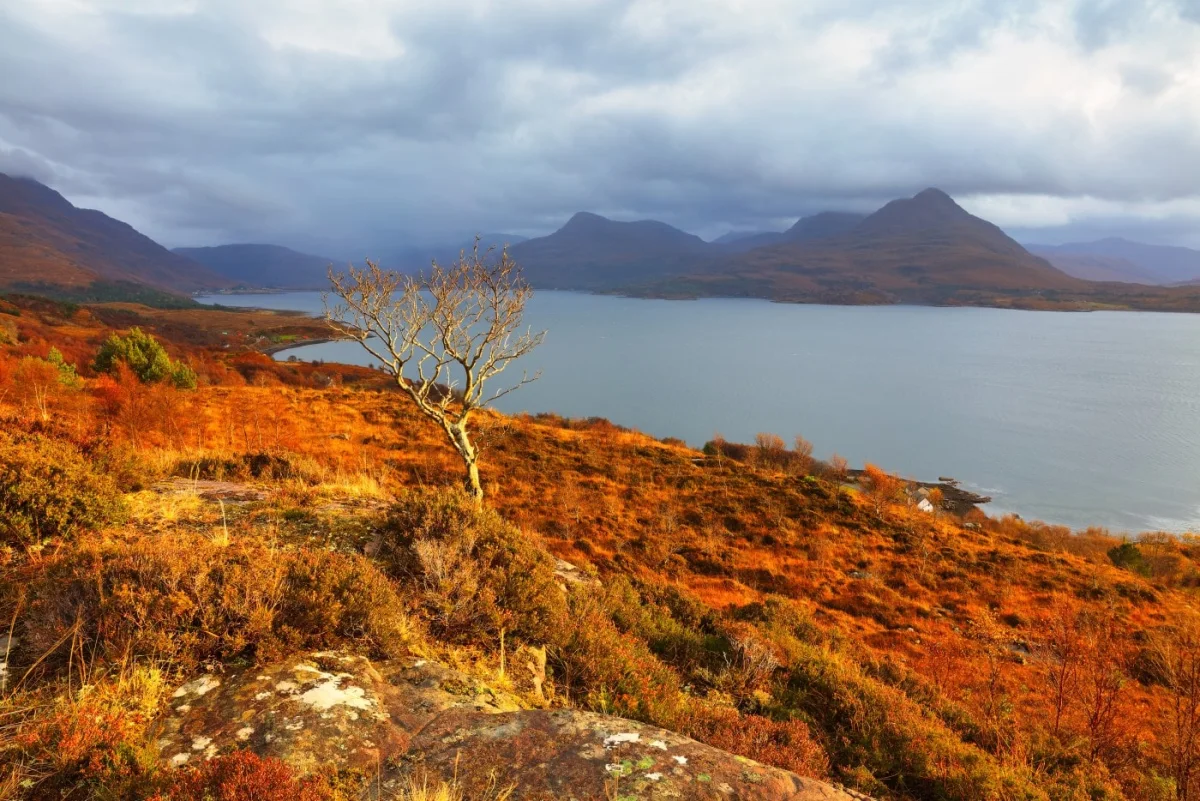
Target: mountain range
925, 250
1117, 259
917, 250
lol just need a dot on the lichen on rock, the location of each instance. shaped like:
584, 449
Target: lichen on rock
411, 719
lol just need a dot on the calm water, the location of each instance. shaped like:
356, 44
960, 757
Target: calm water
1082, 419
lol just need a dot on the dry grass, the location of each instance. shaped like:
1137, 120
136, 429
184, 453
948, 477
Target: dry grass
915, 647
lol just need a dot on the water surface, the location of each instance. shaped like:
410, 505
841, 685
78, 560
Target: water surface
1081, 419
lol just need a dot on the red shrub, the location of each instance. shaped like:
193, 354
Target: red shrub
243, 776
785, 744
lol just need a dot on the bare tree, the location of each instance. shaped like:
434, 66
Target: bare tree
1177, 653
441, 336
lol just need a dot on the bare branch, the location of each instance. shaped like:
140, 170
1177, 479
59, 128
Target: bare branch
442, 336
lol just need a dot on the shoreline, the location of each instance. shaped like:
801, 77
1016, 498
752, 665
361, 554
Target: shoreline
280, 348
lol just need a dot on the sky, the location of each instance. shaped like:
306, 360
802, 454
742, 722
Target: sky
350, 128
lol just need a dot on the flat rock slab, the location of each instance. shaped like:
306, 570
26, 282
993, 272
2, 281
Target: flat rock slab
559, 755
212, 490
418, 720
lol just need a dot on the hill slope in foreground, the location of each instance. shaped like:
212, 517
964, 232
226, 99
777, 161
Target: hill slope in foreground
285, 520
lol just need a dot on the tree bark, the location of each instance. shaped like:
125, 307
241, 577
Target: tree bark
474, 488
470, 457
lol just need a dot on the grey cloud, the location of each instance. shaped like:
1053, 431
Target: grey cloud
511, 116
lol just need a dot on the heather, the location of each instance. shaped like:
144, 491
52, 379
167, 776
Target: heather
752, 597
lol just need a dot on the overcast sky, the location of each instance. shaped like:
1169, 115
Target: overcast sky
356, 126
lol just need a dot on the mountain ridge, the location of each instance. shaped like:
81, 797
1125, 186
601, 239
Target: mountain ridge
48, 240
261, 265
1161, 264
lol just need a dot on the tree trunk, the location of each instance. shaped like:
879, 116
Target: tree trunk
470, 457
474, 488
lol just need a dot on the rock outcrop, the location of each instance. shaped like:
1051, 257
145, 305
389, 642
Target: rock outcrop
393, 721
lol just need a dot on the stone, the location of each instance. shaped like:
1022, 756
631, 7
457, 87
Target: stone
409, 720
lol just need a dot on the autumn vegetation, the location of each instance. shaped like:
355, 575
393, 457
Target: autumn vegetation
751, 596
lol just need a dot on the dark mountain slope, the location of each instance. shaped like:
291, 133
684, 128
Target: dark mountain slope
271, 266
45, 240
593, 252
817, 226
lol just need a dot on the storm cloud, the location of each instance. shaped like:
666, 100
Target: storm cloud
355, 127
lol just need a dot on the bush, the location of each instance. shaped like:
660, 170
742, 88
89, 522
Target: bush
145, 357
474, 574
785, 744
244, 776
48, 489
1127, 556
610, 671
80, 749
890, 738
188, 600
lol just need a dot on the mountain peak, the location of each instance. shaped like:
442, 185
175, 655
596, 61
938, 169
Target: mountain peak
933, 195
585, 218
927, 210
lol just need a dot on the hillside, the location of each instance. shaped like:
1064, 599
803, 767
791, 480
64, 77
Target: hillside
823, 225
593, 252
263, 266
47, 243
1136, 262
1091, 267
298, 522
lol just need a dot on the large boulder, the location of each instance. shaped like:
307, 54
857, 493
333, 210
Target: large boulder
413, 719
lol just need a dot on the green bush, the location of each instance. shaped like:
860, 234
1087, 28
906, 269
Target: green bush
48, 489
1127, 556
473, 574
66, 372
186, 600
147, 359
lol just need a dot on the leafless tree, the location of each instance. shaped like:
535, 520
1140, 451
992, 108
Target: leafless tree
1177, 653
442, 336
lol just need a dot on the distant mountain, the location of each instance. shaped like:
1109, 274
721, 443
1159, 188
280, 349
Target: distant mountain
732, 237
499, 240
46, 242
1135, 262
593, 252
924, 249
264, 266
818, 226
1096, 268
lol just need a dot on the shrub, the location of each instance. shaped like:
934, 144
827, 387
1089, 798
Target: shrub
1128, 556
188, 600
145, 357
244, 776
610, 671
890, 738
785, 744
80, 749
473, 573
48, 489
66, 372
